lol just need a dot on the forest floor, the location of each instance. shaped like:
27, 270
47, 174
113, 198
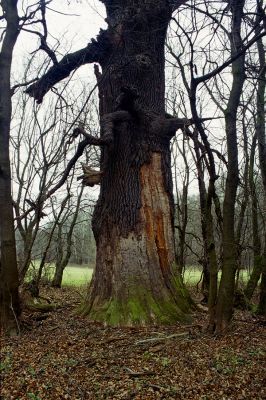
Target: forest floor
60, 355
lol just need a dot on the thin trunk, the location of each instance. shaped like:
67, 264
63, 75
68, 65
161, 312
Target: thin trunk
224, 310
213, 263
210, 264
182, 211
261, 135
257, 256
58, 274
244, 196
9, 299
63, 260
29, 238
262, 302
44, 255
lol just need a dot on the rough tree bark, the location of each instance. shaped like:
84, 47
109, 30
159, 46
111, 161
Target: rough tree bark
9, 299
133, 219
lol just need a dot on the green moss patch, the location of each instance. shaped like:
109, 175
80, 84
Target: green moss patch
141, 308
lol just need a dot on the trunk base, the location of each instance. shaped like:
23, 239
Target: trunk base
140, 307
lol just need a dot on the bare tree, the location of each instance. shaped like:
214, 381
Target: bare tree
9, 300
233, 14
63, 255
261, 136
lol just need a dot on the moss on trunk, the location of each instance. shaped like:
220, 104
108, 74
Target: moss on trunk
141, 308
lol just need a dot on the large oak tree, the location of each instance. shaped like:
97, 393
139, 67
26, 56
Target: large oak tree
135, 279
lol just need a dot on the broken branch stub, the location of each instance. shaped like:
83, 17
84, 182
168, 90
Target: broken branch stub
90, 176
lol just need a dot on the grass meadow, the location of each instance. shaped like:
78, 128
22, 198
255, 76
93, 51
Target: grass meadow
77, 276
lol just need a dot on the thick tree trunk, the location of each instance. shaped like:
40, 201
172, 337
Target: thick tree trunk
9, 299
133, 281
133, 220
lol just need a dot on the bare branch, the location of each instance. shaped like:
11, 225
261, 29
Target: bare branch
230, 60
18, 85
93, 52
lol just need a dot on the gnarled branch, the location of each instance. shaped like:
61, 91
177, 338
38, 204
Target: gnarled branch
93, 52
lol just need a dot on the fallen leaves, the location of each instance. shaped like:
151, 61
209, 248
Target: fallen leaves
64, 356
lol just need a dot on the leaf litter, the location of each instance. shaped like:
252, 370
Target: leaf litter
60, 355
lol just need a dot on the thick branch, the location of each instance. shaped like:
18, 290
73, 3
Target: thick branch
92, 140
169, 126
94, 52
107, 124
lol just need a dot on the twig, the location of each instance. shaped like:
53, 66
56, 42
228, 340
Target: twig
158, 387
160, 339
15, 316
137, 374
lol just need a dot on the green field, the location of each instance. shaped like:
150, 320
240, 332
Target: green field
193, 275
74, 274
77, 276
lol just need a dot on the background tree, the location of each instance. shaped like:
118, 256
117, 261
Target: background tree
189, 65
63, 255
9, 301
